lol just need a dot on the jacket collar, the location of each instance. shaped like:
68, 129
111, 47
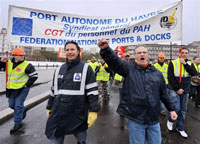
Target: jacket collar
73, 63
160, 63
148, 68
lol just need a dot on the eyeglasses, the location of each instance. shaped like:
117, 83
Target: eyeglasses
142, 52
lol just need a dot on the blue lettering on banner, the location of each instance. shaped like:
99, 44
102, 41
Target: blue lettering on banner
45, 16
125, 31
123, 40
59, 42
80, 28
88, 21
122, 20
152, 37
111, 27
141, 28
22, 26
95, 34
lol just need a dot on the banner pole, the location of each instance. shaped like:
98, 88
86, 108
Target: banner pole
180, 78
6, 68
170, 51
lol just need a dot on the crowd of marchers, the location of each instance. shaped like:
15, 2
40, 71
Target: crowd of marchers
146, 91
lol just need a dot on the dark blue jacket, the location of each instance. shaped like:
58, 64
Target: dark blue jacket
74, 94
142, 90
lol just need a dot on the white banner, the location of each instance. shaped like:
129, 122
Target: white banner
50, 29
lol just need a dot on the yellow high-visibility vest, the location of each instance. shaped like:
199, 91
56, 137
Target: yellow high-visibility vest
176, 65
196, 67
17, 77
163, 69
102, 75
93, 65
199, 68
118, 77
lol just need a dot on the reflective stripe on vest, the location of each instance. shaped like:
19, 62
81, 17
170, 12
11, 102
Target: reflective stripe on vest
118, 77
17, 77
176, 65
102, 75
71, 92
163, 69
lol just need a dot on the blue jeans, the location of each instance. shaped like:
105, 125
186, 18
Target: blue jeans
144, 134
80, 137
162, 107
17, 104
180, 102
120, 93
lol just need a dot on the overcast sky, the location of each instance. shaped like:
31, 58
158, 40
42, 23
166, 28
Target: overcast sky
191, 10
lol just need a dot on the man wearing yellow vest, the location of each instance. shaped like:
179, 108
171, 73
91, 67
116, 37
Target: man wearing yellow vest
21, 75
197, 104
102, 77
179, 90
162, 67
195, 87
93, 63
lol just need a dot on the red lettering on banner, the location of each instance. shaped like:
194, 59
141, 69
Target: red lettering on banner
53, 32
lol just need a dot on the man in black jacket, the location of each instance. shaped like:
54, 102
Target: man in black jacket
2, 64
194, 82
74, 94
144, 87
179, 88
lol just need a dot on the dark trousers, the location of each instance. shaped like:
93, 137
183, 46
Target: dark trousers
198, 96
193, 91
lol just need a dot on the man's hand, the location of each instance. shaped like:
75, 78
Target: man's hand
48, 112
173, 115
180, 91
182, 61
4, 59
92, 117
103, 43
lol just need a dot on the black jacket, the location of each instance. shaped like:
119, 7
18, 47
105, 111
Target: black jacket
74, 93
142, 90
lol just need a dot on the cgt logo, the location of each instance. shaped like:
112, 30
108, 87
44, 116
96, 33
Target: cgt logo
168, 22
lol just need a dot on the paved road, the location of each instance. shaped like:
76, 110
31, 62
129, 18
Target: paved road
110, 128
34, 91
